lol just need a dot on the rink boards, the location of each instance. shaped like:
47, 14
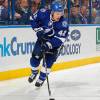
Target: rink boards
17, 42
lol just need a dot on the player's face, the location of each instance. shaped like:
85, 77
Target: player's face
57, 15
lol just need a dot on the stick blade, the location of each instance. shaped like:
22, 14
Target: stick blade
51, 99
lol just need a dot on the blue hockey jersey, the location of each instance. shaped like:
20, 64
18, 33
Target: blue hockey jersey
43, 18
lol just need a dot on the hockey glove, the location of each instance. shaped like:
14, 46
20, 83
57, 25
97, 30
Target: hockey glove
39, 33
46, 47
49, 32
44, 33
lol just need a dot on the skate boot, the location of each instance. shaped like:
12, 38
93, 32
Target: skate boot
39, 83
32, 76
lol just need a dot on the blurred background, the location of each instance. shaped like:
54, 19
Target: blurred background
18, 12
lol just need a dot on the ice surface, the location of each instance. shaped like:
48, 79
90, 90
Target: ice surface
82, 83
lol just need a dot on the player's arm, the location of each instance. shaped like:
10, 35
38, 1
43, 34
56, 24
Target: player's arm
34, 20
37, 18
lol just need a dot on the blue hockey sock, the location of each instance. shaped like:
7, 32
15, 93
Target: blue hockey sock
42, 76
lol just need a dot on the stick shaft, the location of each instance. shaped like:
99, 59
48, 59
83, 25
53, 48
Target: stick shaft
49, 91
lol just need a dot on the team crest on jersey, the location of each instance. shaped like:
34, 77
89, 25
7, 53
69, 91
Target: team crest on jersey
35, 16
31, 18
50, 23
64, 23
43, 10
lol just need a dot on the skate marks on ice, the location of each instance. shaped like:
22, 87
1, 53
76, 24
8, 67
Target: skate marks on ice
60, 91
74, 84
82, 83
76, 89
20, 89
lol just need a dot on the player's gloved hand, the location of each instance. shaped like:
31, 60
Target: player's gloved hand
44, 33
47, 46
49, 32
39, 33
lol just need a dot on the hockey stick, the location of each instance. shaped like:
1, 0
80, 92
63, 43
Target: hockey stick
49, 91
44, 60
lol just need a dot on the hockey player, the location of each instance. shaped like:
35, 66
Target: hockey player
51, 29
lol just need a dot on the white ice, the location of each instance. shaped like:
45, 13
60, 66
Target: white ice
82, 83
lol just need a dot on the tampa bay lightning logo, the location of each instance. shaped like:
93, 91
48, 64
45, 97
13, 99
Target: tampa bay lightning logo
50, 23
64, 23
35, 16
75, 35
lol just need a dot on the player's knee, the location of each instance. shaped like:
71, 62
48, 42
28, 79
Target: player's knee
50, 65
34, 62
50, 62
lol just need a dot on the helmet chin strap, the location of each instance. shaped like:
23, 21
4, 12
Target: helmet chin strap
52, 16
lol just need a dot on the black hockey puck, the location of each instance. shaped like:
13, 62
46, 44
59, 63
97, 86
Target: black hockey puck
51, 99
